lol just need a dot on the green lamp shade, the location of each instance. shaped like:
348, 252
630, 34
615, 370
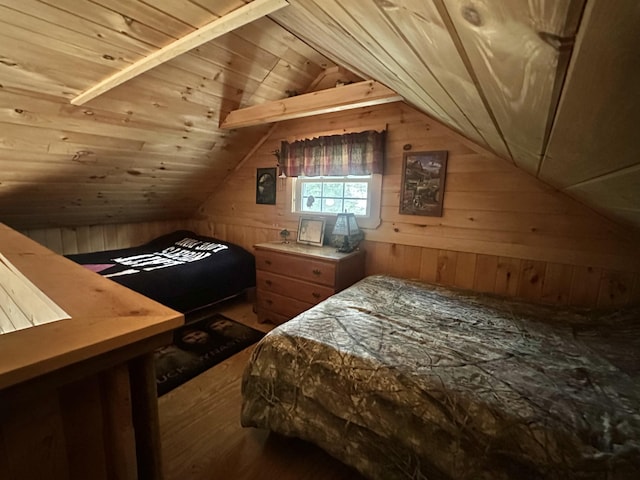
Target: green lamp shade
347, 227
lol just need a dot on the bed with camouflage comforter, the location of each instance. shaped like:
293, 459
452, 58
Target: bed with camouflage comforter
403, 380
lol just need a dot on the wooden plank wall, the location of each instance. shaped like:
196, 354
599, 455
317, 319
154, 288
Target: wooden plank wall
92, 238
92, 437
502, 230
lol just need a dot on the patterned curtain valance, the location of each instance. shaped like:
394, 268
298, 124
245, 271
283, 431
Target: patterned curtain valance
350, 154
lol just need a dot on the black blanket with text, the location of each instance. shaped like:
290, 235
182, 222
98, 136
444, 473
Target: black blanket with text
181, 270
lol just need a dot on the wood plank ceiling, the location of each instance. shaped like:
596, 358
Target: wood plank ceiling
150, 148
550, 85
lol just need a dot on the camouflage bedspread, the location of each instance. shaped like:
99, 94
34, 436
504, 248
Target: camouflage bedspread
405, 380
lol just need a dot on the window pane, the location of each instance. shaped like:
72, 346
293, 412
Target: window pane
332, 205
359, 207
333, 189
311, 188
333, 195
311, 204
355, 190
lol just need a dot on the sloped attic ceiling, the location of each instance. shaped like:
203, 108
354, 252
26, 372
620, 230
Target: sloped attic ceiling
551, 85
548, 85
149, 148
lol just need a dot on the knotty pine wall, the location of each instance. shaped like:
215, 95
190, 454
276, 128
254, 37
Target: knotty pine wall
69, 240
502, 230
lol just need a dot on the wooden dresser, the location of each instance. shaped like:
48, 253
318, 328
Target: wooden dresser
293, 277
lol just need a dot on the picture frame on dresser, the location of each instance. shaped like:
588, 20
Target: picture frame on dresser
311, 231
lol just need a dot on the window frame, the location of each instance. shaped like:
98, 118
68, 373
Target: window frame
374, 194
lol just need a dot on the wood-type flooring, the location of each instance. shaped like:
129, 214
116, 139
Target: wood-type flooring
202, 438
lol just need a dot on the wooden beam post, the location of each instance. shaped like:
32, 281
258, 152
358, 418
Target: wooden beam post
236, 19
347, 97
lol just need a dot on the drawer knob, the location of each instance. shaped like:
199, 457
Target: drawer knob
268, 282
315, 295
316, 271
268, 302
268, 262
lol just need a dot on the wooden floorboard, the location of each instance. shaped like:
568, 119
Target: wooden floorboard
202, 438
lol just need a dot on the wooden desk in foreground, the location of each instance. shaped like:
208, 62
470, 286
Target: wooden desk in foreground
78, 396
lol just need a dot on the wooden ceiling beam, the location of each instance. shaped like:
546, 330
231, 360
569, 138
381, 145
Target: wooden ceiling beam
227, 23
337, 99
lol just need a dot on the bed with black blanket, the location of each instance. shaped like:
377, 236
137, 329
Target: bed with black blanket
404, 380
181, 270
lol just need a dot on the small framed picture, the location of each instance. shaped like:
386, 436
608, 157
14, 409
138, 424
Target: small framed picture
311, 231
266, 186
422, 188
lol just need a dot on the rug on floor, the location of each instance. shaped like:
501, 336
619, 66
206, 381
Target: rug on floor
199, 346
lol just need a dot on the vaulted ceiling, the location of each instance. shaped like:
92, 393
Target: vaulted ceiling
550, 85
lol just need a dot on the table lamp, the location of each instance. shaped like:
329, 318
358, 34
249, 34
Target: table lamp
346, 232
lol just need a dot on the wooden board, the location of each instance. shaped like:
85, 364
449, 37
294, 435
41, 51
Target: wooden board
77, 338
494, 36
595, 129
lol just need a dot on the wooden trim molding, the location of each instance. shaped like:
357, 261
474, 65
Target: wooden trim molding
218, 27
337, 99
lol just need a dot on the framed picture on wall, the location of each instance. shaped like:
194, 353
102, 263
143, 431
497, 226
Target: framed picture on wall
266, 186
422, 188
311, 231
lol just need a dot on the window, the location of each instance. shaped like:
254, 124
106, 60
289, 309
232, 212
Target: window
330, 195
333, 194
336, 173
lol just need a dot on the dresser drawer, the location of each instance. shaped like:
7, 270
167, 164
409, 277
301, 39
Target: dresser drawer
290, 287
308, 269
281, 305
291, 278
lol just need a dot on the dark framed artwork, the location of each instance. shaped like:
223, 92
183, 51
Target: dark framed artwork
266, 186
422, 188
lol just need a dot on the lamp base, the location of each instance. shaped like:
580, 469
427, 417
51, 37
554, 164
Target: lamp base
346, 247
